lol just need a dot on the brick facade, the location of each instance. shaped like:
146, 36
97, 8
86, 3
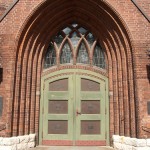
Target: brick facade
122, 31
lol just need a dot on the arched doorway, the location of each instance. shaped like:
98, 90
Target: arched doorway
74, 101
34, 40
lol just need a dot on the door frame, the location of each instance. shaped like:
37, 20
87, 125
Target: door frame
62, 73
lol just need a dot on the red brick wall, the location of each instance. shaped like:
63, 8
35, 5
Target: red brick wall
2, 10
145, 5
122, 31
4, 5
139, 28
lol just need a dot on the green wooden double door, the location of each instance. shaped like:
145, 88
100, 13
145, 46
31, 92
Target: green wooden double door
74, 109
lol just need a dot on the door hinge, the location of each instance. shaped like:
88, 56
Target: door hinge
42, 134
105, 111
106, 134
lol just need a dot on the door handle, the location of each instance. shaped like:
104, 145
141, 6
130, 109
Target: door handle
78, 113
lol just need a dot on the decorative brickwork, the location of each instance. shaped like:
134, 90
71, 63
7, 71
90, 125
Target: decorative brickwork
123, 33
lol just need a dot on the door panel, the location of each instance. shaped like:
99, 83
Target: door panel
90, 107
57, 127
90, 122
90, 127
58, 114
59, 85
74, 111
89, 85
58, 107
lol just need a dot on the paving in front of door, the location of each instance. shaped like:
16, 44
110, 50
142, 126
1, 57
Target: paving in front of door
71, 148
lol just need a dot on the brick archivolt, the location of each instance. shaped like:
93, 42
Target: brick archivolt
113, 36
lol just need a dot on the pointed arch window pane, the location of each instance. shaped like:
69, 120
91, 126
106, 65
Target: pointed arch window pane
90, 38
82, 54
67, 30
58, 39
66, 54
82, 30
74, 39
98, 57
50, 57
74, 34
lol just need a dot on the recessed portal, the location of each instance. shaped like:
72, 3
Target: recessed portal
76, 114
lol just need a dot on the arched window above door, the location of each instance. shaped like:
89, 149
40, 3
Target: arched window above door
82, 55
98, 57
50, 57
66, 54
74, 45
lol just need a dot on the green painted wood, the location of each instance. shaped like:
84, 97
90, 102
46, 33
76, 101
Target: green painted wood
48, 95
99, 95
74, 95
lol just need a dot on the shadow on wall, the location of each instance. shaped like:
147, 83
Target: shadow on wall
148, 66
148, 72
1, 74
1, 107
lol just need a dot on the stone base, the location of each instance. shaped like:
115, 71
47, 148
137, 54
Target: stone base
17, 143
127, 143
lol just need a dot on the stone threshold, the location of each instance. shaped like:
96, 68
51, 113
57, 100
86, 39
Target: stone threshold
40, 147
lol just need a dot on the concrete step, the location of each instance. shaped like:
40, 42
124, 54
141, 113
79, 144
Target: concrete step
72, 148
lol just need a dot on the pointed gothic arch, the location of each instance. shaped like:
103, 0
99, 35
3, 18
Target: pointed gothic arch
32, 46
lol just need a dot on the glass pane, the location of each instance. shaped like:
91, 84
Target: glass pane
75, 39
82, 54
82, 30
50, 57
67, 30
66, 54
98, 57
90, 38
58, 39
74, 25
